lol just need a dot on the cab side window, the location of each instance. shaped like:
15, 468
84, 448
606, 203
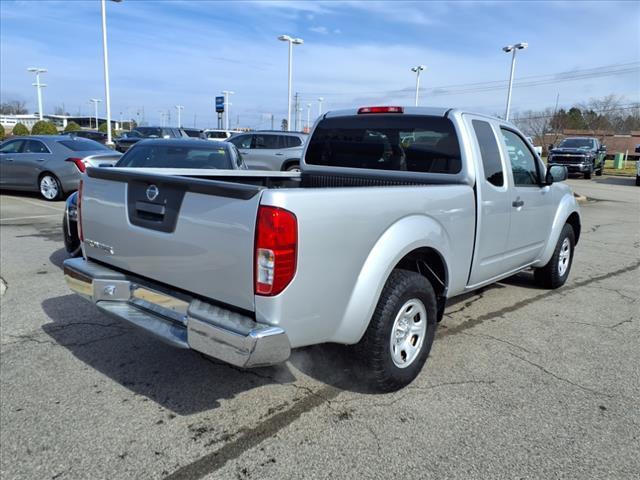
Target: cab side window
490, 153
523, 163
265, 141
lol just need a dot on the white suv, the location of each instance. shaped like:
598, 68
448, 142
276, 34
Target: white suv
271, 150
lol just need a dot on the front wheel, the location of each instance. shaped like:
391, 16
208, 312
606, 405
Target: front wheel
399, 337
49, 187
555, 273
587, 175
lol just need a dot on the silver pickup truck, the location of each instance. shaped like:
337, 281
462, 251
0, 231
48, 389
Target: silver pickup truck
395, 211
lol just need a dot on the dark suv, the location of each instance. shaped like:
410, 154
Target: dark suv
126, 140
580, 155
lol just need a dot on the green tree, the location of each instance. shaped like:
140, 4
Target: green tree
103, 128
20, 129
575, 120
44, 128
72, 127
2, 133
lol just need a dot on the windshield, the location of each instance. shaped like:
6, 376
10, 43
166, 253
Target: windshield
582, 143
83, 145
386, 142
171, 156
146, 132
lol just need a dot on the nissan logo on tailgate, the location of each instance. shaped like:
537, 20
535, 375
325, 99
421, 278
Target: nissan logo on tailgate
152, 192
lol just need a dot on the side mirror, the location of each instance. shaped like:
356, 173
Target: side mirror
603, 148
556, 173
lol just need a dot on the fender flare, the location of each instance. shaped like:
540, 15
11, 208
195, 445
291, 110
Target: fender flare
402, 237
567, 206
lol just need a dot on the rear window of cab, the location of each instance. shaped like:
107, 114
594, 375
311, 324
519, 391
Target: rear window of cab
410, 143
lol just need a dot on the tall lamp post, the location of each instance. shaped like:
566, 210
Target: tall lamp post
179, 108
292, 42
107, 94
39, 86
417, 71
226, 94
320, 100
308, 117
95, 102
513, 49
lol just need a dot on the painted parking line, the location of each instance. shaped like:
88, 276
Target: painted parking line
37, 204
28, 218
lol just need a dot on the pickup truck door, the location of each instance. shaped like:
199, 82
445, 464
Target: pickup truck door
532, 207
493, 197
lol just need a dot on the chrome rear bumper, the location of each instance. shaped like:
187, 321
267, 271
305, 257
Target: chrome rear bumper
178, 320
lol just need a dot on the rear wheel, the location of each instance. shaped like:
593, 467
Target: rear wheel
600, 170
49, 187
587, 174
293, 167
399, 337
555, 273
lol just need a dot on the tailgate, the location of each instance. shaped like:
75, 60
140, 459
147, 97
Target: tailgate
190, 233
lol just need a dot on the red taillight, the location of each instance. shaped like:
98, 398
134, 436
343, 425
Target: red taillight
380, 110
79, 207
275, 250
79, 163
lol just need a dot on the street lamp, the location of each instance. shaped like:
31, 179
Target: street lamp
514, 49
95, 102
292, 42
226, 94
107, 94
320, 100
308, 117
39, 86
179, 108
417, 71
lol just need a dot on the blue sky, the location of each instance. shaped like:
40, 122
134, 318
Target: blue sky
164, 53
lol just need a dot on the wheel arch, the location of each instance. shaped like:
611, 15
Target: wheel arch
289, 162
567, 212
417, 243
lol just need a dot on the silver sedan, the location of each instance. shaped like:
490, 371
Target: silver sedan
49, 164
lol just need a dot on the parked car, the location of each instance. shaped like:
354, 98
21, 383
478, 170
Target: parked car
193, 132
126, 140
637, 167
213, 134
363, 247
197, 154
271, 150
537, 149
580, 155
94, 135
49, 164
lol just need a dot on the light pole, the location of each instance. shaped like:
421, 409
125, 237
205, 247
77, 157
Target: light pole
417, 71
95, 102
292, 42
38, 86
514, 49
320, 100
107, 95
226, 94
308, 117
179, 108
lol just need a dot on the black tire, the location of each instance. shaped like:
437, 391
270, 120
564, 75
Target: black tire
71, 240
375, 349
550, 275
53, 190
587, 175
600, 170
638, 181
292, 167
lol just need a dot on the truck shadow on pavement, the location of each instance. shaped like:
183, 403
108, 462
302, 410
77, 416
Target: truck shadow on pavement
629, 181
181, 381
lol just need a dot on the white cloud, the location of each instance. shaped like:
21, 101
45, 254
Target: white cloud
320, 29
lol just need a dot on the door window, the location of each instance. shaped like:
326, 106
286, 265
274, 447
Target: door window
265, 142
523, 162
290, 141
242, 141
34, 146
12, 147
489, 152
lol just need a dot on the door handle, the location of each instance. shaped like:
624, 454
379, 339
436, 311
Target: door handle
279, 154
40, 160
518, 203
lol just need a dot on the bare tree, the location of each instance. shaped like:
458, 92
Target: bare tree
536, 124
13, 107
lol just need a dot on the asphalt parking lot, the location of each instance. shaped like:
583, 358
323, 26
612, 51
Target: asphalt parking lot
521, 382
